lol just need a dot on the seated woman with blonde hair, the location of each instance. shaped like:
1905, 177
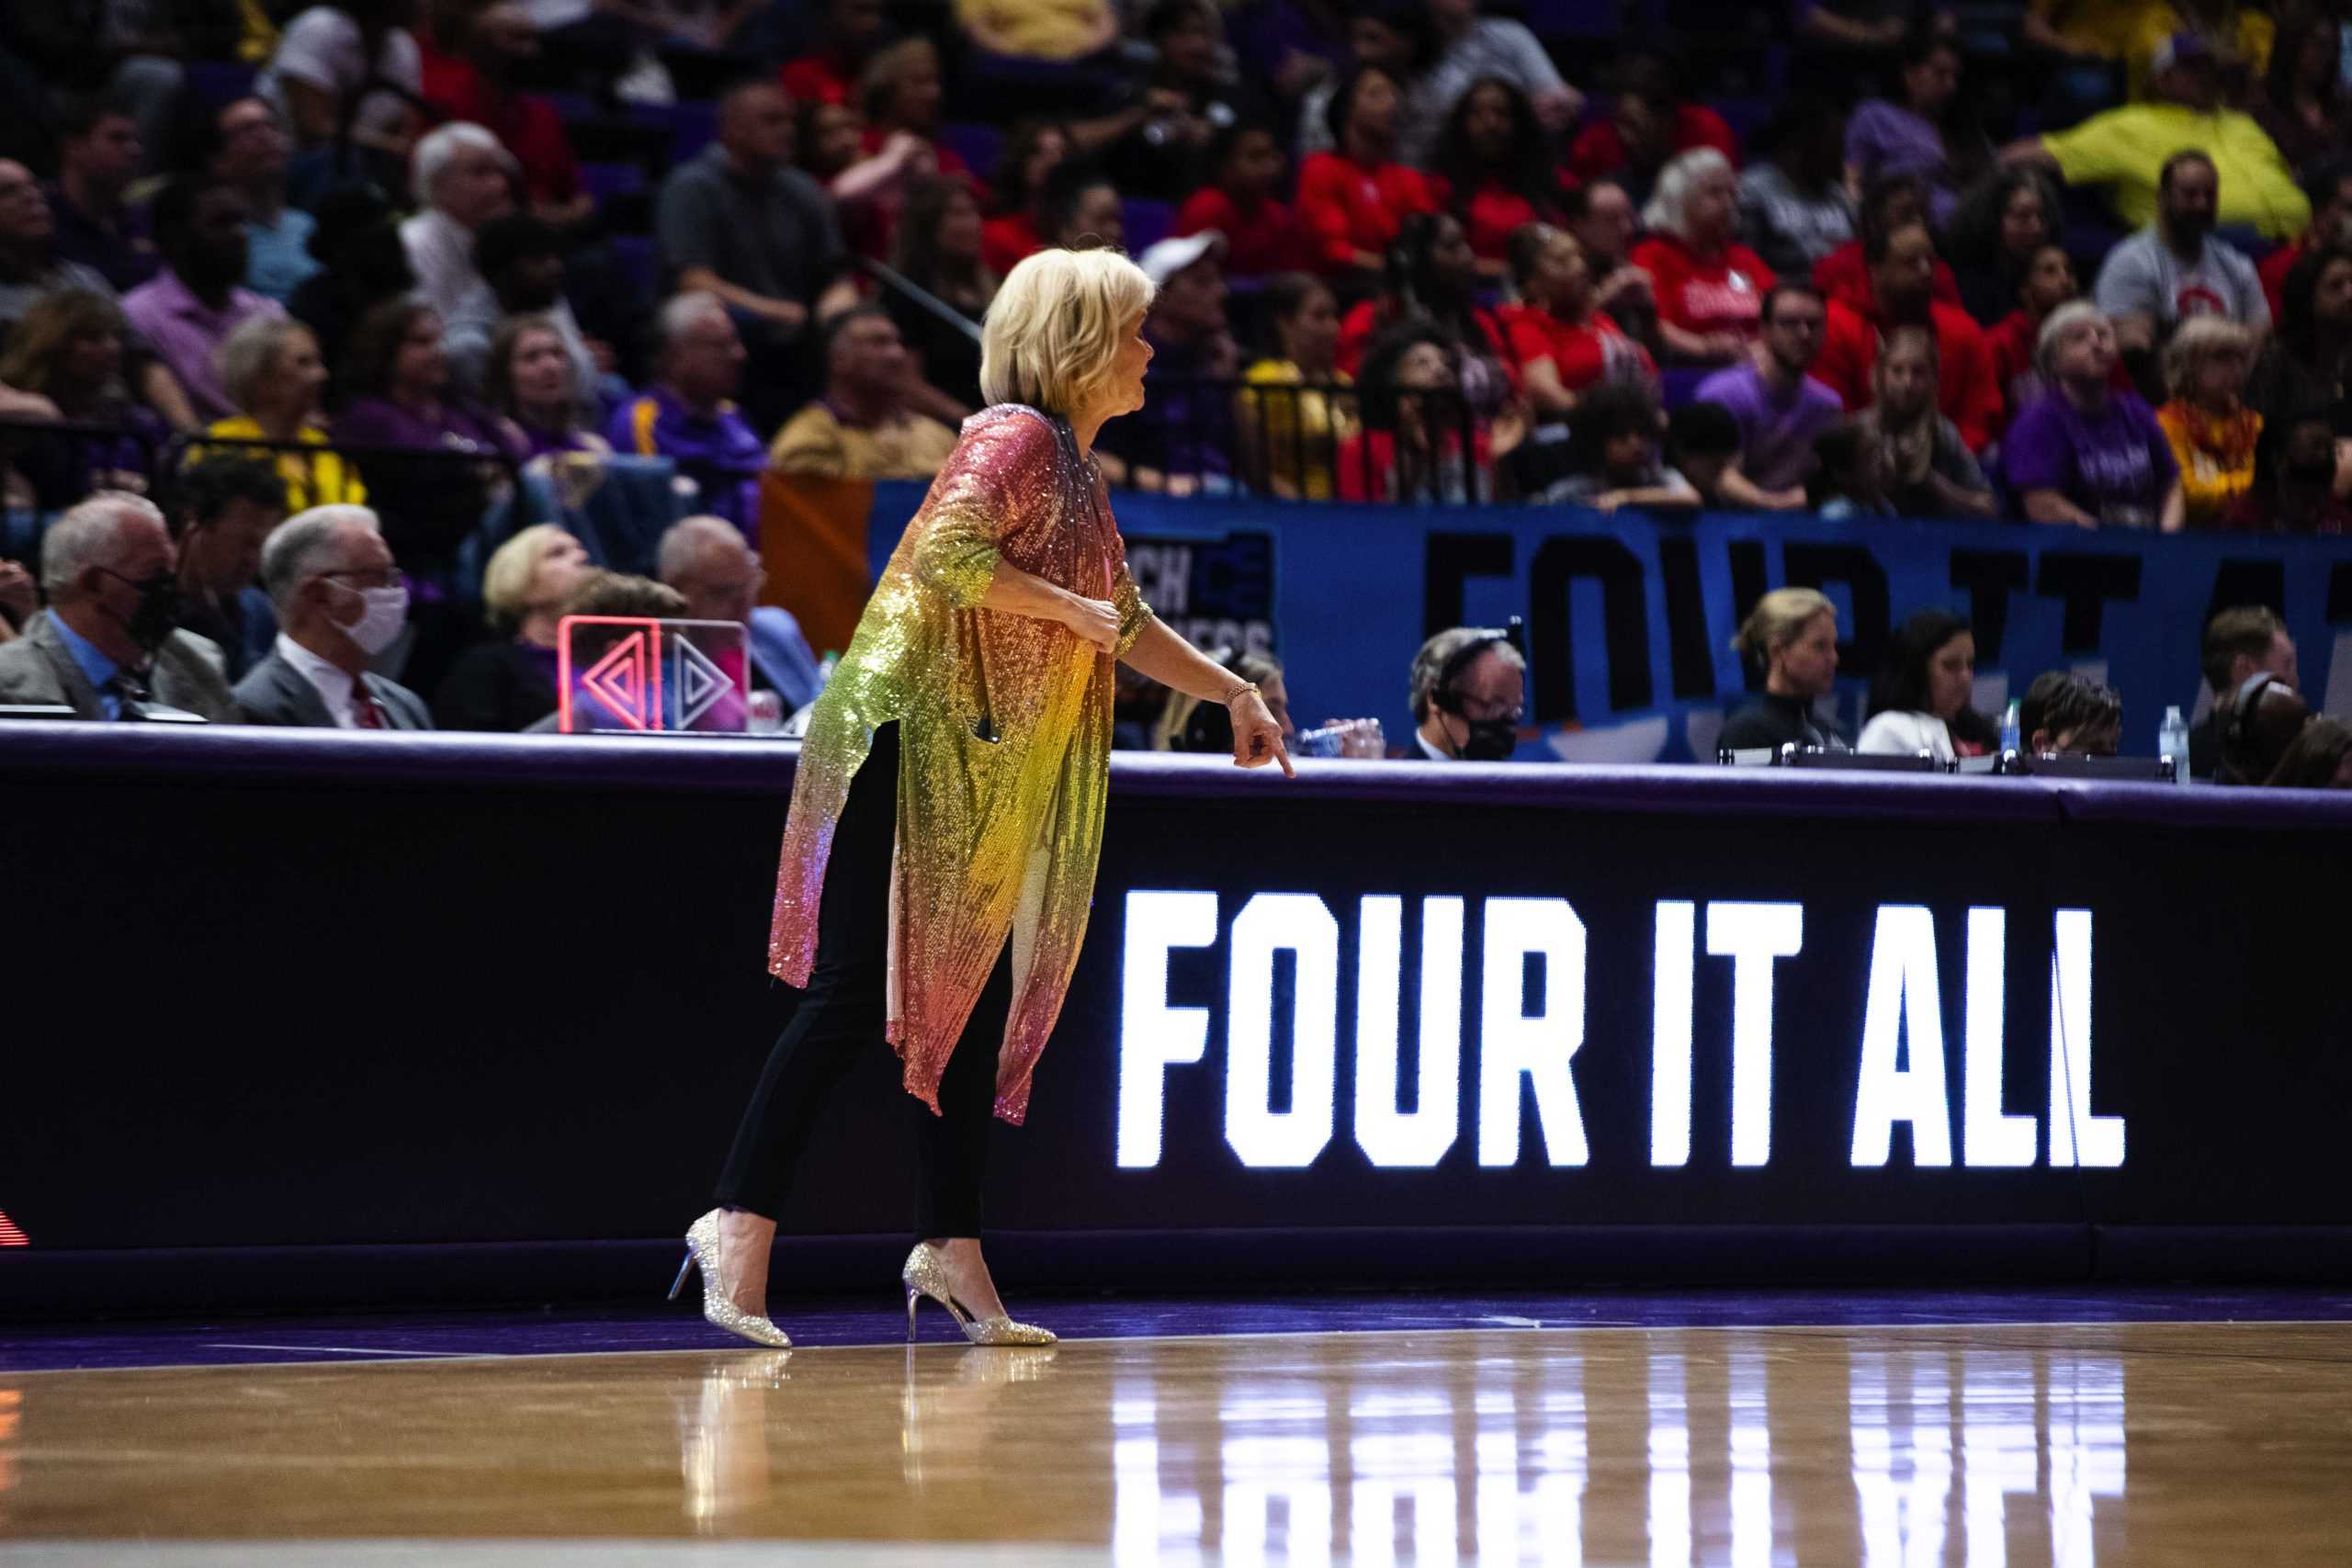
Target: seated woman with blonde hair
509, 684
2213, 434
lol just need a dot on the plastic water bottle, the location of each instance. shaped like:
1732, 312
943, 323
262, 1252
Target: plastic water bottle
2010, 739
1326, 742
2172, 741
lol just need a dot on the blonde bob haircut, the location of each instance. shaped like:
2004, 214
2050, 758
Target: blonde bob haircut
2199, 339
1778, 620
1054, 330
506, 581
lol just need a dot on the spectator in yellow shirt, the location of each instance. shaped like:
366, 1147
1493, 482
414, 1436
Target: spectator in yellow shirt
271, 369
1039, 30
2126, 149
2129, 31
1289, 437
862, 427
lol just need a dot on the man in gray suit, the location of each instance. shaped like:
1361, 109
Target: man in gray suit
105, 645
340, 601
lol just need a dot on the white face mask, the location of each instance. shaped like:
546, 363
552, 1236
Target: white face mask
385, 612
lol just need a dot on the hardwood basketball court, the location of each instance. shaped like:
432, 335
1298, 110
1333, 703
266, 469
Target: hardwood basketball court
1976, 1443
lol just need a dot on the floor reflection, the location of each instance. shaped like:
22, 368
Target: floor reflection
1558, 1454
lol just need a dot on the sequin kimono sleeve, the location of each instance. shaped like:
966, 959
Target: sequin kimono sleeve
1004, 744
1133, 612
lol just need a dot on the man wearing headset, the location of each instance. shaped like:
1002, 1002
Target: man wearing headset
2239, 644
1469, 693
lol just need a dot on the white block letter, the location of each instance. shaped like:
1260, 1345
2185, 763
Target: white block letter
1905, 1005
1388, 1136
1301, 922
1539, 1046
1154, 1036
2077, 1138
1752, 935
1670, 985
1988, 1137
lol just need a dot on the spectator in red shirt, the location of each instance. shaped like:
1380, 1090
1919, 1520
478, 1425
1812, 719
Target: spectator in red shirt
1411, 447
1844, 275
869, 189
1903, 281
852, 30
488, 54
1563, 343
900, 91
1496, 168
1602, 218
1261, 232
1649, 123
2328, 186
1034, 150
1354, 202
1433, 276
900, 94
1710, 288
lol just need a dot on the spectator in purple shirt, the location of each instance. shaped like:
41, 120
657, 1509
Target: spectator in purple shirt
689, 416
2083, 453
1918, 130
1779, 410
531, 379
399, 374
187, 312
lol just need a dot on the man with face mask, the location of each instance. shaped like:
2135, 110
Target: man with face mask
107, 646
1469, 693
340, 601
2175, 268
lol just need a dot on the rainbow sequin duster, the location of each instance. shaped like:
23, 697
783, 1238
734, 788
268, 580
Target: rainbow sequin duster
1004, 731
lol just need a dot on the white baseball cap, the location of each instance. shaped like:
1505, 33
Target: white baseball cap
1166, 259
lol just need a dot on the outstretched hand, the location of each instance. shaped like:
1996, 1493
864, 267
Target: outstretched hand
1257, 738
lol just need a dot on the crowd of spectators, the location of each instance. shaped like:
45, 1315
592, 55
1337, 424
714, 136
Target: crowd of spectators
1405, 251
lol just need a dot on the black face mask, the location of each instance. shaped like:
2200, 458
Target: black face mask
1490, 740
158, 610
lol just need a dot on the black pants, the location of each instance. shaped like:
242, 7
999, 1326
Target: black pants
841, 1016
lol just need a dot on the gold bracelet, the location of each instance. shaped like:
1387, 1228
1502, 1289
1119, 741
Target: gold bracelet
1246, 688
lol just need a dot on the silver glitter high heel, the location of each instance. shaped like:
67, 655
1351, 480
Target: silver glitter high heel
702, 1252
926, 1275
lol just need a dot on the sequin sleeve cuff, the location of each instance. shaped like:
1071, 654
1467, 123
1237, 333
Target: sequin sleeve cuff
1133, 614
1132, 618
